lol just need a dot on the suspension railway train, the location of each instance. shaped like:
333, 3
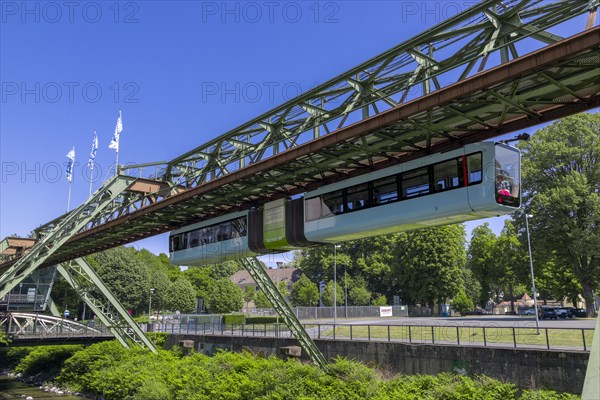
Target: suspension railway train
476, 181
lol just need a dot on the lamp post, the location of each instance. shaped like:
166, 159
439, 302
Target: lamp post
537, 318
335, 247
150, 303
345, 294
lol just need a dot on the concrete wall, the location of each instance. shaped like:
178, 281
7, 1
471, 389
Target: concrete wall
563, 371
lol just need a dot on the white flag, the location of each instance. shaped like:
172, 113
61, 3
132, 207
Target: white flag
114, 143
93, 152
71, 156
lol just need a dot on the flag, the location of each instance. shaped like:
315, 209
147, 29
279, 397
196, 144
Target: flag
71, 156
93, 152
114, 143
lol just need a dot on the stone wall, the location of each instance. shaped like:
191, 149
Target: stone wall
563, 371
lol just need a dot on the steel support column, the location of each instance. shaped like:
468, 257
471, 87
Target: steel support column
80, 275
260, 276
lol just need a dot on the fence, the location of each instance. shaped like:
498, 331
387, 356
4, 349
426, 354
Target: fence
342, 312
490, 335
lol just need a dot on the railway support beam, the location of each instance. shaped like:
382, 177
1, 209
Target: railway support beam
84, 280
64, 230
260, 276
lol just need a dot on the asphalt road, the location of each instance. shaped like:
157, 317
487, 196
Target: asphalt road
504, 321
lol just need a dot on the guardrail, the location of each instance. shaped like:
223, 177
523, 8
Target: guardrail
489, 335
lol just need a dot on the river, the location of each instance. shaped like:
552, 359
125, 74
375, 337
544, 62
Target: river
11, 389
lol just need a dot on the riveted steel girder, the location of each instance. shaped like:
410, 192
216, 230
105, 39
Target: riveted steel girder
60, 231
88, 285
260, 276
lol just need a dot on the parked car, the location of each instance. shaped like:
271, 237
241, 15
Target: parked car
565, 312
529, 311
548, 313
580, 312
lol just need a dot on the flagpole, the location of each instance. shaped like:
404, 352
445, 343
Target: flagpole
91, 178
69, 198
71, 157
91, 160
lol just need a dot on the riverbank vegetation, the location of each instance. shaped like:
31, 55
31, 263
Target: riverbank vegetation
107, 370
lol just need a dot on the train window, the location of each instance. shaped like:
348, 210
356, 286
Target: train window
357, 197
385, 190
335, 202
446, 175
474, 168
415, 183
508, 176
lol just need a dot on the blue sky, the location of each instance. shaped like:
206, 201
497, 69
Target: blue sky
68, 68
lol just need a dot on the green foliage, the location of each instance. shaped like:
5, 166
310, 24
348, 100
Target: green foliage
181, 295
379, 300
249, 293
11, 356
4, 340
46, 360
462, 303
126, 276
430, 263
359, 296
109, 371
330, 292
225, 297
561, 175
158, 338
304, 292
261, 320
261, 301
234, 319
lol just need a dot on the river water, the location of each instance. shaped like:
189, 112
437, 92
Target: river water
11, 389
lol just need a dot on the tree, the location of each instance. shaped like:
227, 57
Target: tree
328, 294
379, 300
429, 264
249, 293
561, 175
225, 297
181, 296
261, 301
462, 303
481, 261
125, 275
159, 281
305, 292
200, 279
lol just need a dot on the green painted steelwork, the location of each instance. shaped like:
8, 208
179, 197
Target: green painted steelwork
81, 276
260, 276
61, 231
448, 52
274, 225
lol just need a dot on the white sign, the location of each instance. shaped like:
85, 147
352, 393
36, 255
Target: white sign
385, 311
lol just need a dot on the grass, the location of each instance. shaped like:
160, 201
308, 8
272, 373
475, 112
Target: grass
472, 335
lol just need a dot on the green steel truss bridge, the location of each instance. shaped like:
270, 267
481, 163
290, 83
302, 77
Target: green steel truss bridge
493, 69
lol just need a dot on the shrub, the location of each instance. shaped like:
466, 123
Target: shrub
261, 320
11, 356
233, 319
46, 361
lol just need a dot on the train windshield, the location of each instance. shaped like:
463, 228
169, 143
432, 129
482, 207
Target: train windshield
508, 176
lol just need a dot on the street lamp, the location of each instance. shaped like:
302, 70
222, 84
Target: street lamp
335, 247
537, 318
150, 303
345, 293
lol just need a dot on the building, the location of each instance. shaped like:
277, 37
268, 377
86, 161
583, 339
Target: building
288, 275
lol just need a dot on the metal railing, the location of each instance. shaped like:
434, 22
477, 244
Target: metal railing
488, 335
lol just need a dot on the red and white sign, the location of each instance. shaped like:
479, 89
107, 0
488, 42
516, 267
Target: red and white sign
385, 311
